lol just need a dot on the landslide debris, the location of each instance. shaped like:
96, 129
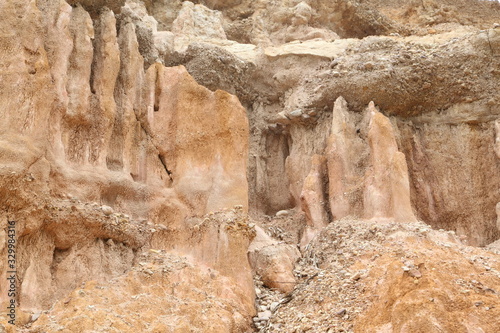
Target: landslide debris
370, 276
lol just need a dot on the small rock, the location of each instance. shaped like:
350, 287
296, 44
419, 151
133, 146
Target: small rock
341, 312
282, 213
295, 113
356, 276
274, 306
415, 273
264, 315
35, 316
107, 210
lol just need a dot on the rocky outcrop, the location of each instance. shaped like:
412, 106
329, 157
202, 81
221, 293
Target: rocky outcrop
374, 187
346, 153
96, 151
313, 198
217, 240
201, 137
387, 189
116, 137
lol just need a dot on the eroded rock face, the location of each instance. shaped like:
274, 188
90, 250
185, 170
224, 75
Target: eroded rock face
313, 198
217, 240
87, 127
105, 152
387, 189
367, 175
191, 296
346, 153
202, 140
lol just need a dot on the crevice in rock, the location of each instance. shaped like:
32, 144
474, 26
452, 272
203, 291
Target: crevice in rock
164, 163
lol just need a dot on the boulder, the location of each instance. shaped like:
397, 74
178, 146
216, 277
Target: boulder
273, 261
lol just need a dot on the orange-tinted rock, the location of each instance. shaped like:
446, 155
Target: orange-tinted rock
80, 131
313, 193
171, 293
344, 152
387, 189
273, 261
202, 138
313, 199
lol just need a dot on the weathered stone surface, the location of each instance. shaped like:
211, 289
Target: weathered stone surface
196, 22
387, 189
217, 240
81, 130
202, 138
313, 199
345, 153
313, 193
85, 127
172, 293
305, 143
497, 138
273, 261
105, 72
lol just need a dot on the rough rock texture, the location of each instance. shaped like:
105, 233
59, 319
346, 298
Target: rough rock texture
346, 153
217, 240
172, 294
313, 198
273, 261
201, 137
387, 189
136, 124
95, 151
368, 276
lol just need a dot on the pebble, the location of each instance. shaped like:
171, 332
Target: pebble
274, 306
295, 113
356, 276
282, 213
341, 312
35, 316
107, 210
415, 273
264, 315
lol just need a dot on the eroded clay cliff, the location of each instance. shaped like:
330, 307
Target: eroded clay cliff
174, 152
